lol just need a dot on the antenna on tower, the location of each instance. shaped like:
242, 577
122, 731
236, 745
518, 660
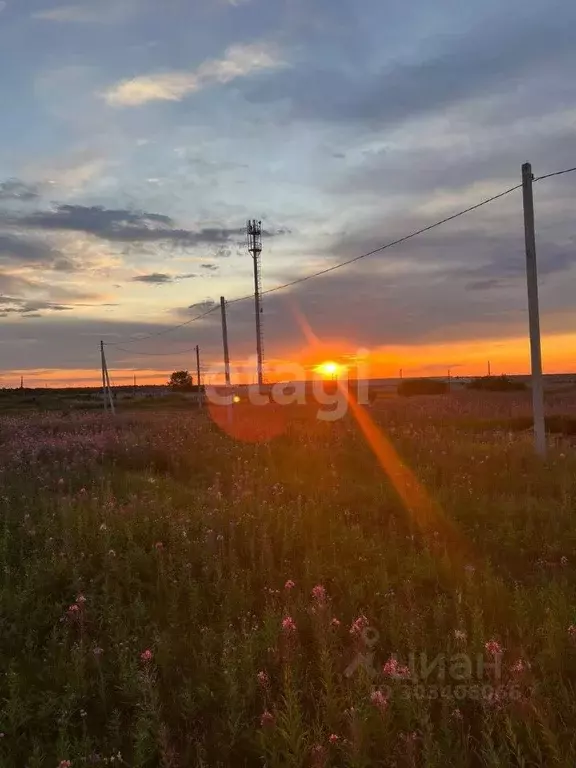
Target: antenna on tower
254, 232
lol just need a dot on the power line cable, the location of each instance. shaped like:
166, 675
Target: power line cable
382, 247
342, 264
166, 330
155, 354
558, 173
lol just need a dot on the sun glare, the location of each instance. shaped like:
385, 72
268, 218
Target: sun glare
329, 368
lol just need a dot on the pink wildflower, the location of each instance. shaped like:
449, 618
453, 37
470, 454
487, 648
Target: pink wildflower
319, 593
333, 738
289, 585
393, 669
263, 679
146, 655
335, 623
380, 700
159, 546
288, 625
266, 719
572, 630
493, 647
80, 600
519, 666
64, 764
359, 625
73, 609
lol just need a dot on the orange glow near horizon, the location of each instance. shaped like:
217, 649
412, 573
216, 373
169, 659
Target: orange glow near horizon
464, 358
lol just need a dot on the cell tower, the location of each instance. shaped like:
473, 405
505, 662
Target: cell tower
254, 232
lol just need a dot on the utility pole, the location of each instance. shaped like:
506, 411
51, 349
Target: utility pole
104, 394
489, 369
225, 341
533, 312
198, 376
449, 379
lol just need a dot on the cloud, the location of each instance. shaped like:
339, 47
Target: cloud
161, 278
210, 267
239, 61
444, 71
121, 225
3, 5
88, 13
14, 189
21, 250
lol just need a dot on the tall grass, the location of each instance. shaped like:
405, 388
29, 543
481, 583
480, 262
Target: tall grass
172, 597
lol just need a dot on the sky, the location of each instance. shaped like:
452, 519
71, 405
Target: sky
138, 136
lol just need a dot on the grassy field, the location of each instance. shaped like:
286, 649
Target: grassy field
399, 592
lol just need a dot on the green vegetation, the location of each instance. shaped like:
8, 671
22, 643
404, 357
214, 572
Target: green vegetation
174, 597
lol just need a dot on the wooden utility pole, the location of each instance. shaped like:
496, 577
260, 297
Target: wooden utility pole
198, 376
533, 312
106, 382
225, 341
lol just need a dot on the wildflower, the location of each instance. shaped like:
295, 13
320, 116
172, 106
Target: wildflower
263, 679
393, 669
73, 609
266, 719
159, 546
380, 700
572, 630
61, 482
333, 738
146, 655
289, 585
288, 625
460, 635
112, 553
80, 600
335, 623
493, 647
319, 593
564, 560
456, 714
98, 651
359, 625
519, 666
103, 527
64, 764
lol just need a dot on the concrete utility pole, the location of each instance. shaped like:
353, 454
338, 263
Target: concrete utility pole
225, 341
104, 393
198, 376
533, 312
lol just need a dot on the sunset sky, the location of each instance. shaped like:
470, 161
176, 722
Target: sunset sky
137, 136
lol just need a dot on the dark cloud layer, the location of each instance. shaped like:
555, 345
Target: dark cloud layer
14, 189
161, 278
121, 225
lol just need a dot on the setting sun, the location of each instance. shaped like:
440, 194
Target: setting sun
329, 368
